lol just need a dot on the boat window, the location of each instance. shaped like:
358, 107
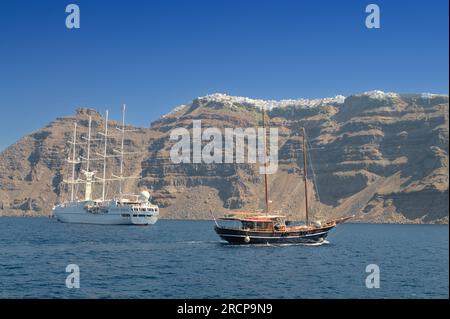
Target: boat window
264, 225
248, 225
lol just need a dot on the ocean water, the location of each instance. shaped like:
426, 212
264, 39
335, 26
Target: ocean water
186, 259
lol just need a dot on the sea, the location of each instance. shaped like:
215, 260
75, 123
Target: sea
43, 258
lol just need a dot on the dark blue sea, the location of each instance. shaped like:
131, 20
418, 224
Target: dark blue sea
186, 259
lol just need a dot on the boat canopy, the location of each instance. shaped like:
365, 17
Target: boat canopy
252, 217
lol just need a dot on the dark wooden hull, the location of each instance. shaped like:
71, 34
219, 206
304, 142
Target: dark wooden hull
244, 237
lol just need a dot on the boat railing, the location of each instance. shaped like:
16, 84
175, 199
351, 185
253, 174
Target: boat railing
250, 226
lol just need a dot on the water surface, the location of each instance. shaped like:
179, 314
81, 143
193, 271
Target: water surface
186, 259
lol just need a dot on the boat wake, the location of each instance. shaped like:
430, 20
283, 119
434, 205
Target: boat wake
198, 242
325, 242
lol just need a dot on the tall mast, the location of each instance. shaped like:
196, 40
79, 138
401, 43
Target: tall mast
265, 162
88, 174
305, 175
122, 154
89, 144
73, 161
121, 151
104, 156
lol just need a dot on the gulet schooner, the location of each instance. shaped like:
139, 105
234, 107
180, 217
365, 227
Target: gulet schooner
273, 228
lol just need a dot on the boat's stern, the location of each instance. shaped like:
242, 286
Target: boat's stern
144, 214
144, 219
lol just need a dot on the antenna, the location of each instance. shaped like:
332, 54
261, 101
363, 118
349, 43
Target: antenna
104, 158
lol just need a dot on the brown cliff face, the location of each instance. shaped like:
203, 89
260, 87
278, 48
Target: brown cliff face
383, 158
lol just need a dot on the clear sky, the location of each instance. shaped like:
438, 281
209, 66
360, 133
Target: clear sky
155, 55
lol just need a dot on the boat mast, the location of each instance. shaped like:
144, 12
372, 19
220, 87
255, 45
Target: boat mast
121, 151
305, 175
89, 175
104, 156
73, 161
265, 161
122, 154
89, 144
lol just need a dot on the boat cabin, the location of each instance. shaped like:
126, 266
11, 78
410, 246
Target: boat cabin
259, 223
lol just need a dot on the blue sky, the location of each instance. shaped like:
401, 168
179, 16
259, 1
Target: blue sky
155, 55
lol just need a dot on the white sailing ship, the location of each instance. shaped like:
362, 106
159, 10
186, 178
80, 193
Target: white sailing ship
123, 209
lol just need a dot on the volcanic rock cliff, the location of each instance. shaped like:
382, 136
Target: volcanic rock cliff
380, 156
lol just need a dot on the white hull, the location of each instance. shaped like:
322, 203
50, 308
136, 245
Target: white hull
128, 209
114, 215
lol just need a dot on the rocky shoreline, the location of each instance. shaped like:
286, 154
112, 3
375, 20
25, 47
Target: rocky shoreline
381, 156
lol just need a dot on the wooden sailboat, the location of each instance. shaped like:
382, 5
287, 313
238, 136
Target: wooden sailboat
268, 228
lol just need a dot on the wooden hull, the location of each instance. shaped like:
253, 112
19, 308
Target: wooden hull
248, 237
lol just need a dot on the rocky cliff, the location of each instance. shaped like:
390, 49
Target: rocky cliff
380, 156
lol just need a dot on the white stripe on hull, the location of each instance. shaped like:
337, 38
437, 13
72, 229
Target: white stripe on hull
264, 237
